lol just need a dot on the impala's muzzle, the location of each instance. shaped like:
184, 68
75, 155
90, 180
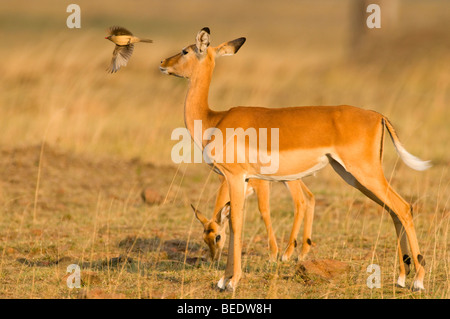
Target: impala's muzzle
164, 70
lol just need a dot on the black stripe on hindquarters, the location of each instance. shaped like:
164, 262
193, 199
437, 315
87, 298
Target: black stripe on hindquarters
382, 139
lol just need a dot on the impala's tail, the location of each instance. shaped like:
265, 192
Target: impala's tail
409, 159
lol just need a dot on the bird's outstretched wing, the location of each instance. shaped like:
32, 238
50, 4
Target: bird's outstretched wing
116, 30
120, 58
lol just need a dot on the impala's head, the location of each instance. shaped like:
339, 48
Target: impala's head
201, 53
214, 230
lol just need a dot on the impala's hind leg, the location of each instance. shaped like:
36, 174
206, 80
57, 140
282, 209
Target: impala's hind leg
370, 180
403, 251
303, 209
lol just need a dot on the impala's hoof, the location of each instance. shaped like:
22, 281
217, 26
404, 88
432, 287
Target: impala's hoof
289, 251
230, 286
226, 284
401, 282
221, 284
418, 286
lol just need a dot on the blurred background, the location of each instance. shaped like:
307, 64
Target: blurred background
54, 86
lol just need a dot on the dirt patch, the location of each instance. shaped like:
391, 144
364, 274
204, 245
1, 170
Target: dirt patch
151, 196
99, 294
87, 279
321, 269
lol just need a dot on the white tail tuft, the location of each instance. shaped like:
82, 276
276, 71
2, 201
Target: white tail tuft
411, 160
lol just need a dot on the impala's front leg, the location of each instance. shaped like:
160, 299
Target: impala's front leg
233, 271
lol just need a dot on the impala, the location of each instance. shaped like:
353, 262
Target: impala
349, 138
214, 229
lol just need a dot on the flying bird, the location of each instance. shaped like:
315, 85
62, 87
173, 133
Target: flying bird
124, 41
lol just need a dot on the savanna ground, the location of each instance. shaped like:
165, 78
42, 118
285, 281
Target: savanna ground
78, 147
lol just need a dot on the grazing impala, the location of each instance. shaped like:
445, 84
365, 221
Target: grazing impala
214, 229
349, 138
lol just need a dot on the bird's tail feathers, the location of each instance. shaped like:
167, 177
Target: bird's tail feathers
146, 40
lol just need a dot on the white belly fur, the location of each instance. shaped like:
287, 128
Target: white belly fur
321, 163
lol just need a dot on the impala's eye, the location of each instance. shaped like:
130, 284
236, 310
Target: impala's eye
184, 52
217, 238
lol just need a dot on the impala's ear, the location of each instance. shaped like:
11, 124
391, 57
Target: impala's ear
223, 214
200, 216
202, 40
230, 47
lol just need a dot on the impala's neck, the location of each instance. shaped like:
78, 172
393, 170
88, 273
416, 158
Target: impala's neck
196, 105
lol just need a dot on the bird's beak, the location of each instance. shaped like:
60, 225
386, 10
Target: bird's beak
106, 37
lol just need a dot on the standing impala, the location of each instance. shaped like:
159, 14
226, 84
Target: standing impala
349, 138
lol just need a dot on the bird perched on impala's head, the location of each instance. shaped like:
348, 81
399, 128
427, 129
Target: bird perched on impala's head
124, 41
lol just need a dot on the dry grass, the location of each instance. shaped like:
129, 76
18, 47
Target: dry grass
76, 198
